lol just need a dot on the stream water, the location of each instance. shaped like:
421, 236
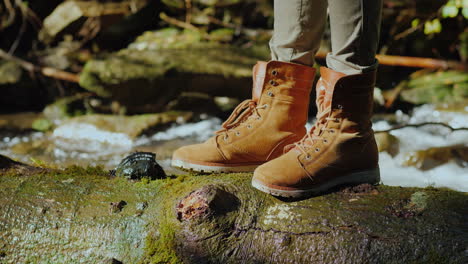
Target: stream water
85, 145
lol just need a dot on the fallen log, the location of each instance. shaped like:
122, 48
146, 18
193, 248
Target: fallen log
84, 215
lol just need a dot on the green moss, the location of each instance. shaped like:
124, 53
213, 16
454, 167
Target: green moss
42, 125
10, 72
180, 60
73, 171
439, 87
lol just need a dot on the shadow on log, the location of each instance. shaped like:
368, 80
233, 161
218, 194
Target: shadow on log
67, 216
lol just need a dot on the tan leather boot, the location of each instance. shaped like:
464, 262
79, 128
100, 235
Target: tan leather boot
259, 128
339, 149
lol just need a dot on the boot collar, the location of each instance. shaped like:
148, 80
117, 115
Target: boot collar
264, 72
338, 83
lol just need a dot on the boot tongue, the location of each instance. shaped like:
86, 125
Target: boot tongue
259, 73
329, 78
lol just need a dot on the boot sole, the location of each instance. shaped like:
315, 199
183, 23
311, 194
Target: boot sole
212, 168
368, 176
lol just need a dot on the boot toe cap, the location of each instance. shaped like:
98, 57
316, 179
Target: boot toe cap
280, 172
197, 153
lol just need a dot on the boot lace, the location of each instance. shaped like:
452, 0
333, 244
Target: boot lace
246, 110
315, 133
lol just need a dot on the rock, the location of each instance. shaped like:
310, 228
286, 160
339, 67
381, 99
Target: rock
387, 142
19, 121
72, 13
140, 165
158, 66
433, 157
223, 220
66, 107
10, 72
19, 91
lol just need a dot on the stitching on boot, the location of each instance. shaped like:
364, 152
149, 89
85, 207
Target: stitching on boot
279, 144
244, 152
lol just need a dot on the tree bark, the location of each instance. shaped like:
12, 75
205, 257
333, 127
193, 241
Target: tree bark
80, 215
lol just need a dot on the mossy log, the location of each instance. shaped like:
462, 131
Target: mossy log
159, 65
138, 78
82, 215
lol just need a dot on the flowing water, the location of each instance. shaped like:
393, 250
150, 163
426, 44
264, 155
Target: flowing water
84, 144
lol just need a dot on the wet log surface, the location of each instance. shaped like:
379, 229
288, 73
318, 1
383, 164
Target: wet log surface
83, 215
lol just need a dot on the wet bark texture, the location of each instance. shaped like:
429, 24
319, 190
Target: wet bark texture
84, 216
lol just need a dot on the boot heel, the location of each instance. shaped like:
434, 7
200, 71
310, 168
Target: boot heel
360, 177
367, 176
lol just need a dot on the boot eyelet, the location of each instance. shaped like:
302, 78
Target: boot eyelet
332, 131
270, 94
325, 141
265, 106
308, 157
238, 133
272, 82
259, 118
337, 120
339, 106
225, 138
274, 72
249, 126
317, 150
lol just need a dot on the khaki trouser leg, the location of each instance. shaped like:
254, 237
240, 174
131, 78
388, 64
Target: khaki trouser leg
355, 24
298, 29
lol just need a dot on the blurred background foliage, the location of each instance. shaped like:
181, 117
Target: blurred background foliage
67, 35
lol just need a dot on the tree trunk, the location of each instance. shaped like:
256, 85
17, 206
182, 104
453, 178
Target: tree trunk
84, 216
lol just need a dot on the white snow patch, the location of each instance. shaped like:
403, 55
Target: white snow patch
428, 113
413, 139
200, 131
89, 138
449, 175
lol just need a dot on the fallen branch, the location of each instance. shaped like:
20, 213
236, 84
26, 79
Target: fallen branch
415, 62
420, 125
393, 94
177, 23
46, 71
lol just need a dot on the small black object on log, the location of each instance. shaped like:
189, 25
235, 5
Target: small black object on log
140, 165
